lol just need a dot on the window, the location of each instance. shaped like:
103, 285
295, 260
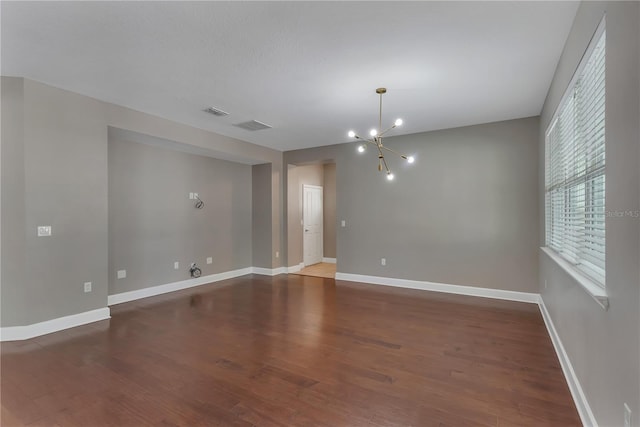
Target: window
575, 168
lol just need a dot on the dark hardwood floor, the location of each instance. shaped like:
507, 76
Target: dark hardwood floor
293, 351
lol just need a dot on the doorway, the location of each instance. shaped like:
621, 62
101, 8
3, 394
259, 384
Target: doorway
312, 252
312, 219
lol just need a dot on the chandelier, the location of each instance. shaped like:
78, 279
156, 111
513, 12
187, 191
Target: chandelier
376, 139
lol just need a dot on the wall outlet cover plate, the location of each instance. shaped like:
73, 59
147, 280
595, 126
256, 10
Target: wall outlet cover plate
44, 230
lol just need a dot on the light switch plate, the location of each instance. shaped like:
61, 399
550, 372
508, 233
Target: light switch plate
44, 230
209, 260
122, 274
176, 265
344, 223
87, 286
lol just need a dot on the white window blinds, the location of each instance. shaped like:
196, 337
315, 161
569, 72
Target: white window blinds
575, 169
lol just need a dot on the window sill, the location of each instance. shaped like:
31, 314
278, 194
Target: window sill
593, 289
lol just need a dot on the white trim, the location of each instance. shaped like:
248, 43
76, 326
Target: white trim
598, 293
329, 260
295, 268
584, 410
17, 333
175, 286
442, 287
268, 271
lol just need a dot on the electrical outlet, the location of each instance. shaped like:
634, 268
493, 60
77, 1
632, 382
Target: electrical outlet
191, 196
176, 265
122, 274
87, 286
44, 230
627, 416
209, 260
195, 195
277, 254
383, 261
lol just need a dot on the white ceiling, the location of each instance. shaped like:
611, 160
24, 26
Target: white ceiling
309, 69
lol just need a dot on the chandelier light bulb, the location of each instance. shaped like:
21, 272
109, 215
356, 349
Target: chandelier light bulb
376, 136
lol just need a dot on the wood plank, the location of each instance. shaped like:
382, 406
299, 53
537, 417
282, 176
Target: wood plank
293, 351
321, 269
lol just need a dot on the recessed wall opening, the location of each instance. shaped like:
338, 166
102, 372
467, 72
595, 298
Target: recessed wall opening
171, 206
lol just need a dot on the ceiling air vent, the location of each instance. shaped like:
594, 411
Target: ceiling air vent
252, 125
216, 112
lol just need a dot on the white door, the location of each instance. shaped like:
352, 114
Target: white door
312, 224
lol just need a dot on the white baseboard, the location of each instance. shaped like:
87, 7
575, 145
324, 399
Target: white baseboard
295, 268
584, 410
442, 287
175, 286
329, 260
18, 333
268, 271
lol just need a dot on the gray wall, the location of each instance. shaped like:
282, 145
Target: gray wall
329, 214
261, 216
13, 205
465, 213
62, 172
153, 223
603, 346
55, 163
